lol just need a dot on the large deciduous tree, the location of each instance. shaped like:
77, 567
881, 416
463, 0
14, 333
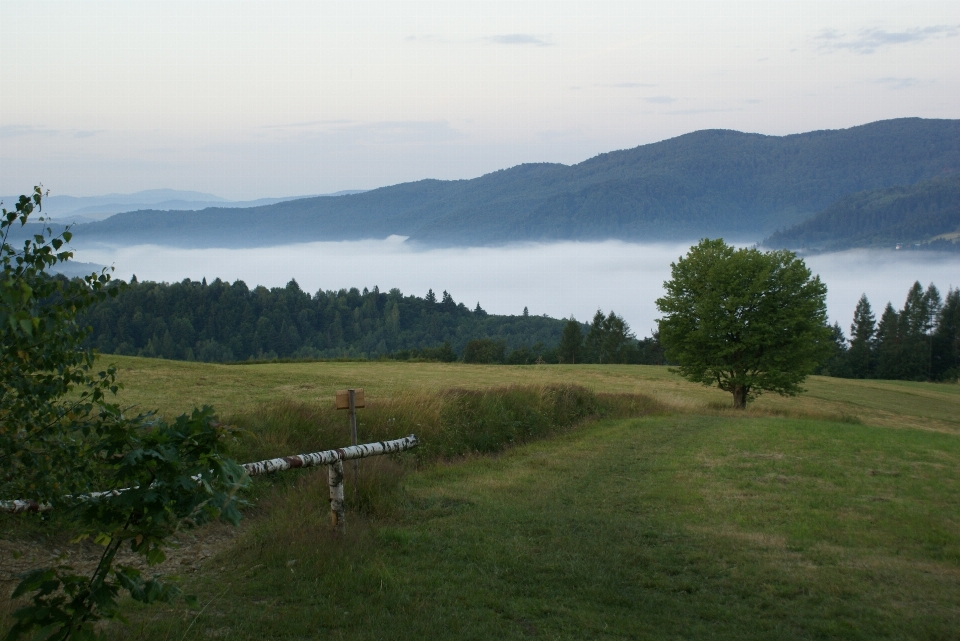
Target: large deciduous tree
745, 320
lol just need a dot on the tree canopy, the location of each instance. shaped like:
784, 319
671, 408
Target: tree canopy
745, 320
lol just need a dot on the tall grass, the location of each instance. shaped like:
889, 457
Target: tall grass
450, 424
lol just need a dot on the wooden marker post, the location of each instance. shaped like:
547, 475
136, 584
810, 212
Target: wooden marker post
352, 399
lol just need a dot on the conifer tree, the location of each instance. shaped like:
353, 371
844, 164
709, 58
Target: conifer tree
945, 342
887, 344
914, 323
571, 343
838, 362
447, 301
861, 338
616, 338
595, 338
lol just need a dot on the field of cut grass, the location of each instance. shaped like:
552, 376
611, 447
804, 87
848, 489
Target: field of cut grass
175, 387
658, 528
834, 514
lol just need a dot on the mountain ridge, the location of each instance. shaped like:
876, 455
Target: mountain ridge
742, 186
920, 215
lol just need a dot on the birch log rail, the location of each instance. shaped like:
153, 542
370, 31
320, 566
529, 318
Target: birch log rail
332, 458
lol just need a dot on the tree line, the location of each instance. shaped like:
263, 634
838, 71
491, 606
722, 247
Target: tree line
607, 339
223, 322
920, 342
228, 322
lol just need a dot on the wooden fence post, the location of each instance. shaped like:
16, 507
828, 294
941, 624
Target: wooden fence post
337, 515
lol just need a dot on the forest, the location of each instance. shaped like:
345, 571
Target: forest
920, 342
223, 322
925, 215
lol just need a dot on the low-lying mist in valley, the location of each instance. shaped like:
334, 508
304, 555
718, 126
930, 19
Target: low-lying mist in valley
556, 279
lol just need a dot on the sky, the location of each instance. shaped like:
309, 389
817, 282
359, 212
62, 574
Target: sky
256, 99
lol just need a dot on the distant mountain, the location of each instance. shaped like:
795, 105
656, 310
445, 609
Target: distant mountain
925, 214
85, 209
708, 183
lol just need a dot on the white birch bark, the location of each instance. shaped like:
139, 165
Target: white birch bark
313, 459
329, 456
337, 512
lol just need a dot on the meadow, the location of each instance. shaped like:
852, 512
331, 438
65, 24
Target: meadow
564, 502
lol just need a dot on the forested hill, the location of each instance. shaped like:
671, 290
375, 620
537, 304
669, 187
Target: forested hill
707, 183
219, 321
926, 214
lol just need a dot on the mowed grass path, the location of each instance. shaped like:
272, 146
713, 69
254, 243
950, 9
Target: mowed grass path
665, 527
174, 387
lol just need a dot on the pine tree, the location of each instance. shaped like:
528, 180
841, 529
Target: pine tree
934, 303
571, 343
914, 323
837, 363
616, 338
447, 301
945, 342
887, 344
431, 297
595, 338
861, 338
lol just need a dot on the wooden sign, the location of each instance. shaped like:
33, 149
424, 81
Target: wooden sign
343, 398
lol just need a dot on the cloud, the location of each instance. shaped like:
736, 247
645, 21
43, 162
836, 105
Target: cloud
404, 132
689, 112
426, 38
630, 85
518, 39
87, 133
15, 131
660, 100
308, 124
898, 83
348, 133
867, 41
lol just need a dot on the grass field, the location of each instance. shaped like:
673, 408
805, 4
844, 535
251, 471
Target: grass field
175, 387
835, 514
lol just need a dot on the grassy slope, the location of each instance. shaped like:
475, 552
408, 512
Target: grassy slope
174, 387
700, 523
665, 527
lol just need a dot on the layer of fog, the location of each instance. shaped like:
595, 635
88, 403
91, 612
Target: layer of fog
556, 279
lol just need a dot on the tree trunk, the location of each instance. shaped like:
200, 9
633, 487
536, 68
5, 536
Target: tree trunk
740, 397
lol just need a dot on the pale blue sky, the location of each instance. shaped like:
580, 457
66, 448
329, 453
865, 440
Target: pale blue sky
252, 99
